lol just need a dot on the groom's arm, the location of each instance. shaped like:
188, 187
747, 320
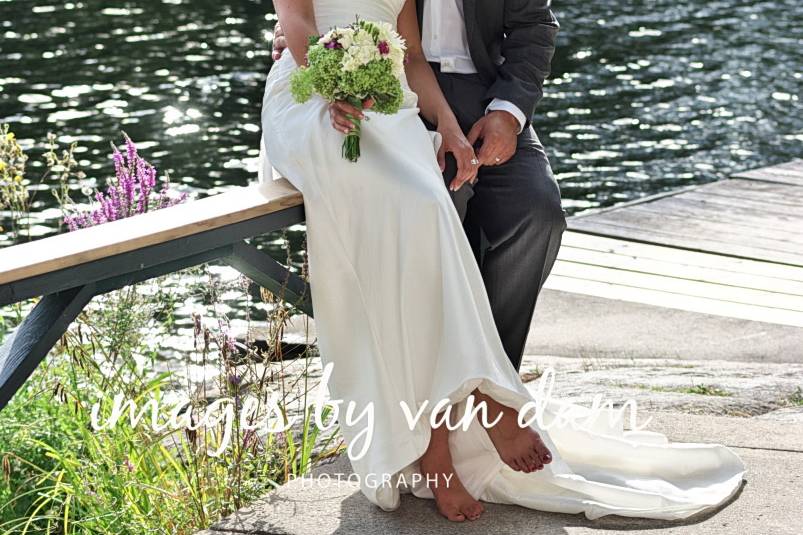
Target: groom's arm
528, 47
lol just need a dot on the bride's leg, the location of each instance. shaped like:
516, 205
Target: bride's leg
453, 500
519, 447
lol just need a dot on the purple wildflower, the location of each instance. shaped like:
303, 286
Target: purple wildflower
226, 341
333, 45
129, 193
119, 162
234, 379
131, 149
384, 48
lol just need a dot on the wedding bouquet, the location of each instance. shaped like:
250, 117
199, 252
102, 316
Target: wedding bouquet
361, 61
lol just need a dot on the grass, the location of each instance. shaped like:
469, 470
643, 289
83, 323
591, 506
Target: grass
701, 390
797, 397
60, 475
589, 364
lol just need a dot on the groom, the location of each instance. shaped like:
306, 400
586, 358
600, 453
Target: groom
491, 58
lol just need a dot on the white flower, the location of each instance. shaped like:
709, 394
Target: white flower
327, 38
346, 38
386, 31
361, 50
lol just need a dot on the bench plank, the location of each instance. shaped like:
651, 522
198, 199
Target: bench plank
74, 248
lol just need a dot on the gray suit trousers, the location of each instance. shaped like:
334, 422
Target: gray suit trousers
512, 215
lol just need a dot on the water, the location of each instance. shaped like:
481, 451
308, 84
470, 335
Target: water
650, 96
183, 79
645, 96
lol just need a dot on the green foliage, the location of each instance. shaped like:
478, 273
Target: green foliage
13, 193
60, 475
16, 192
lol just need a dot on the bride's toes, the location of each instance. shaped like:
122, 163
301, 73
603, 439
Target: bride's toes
521, 448
535, 463
542, 451
454, 515
458, 505
529, 464
473, 511
514, 464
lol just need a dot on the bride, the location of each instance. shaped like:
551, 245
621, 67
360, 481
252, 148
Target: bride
402, 314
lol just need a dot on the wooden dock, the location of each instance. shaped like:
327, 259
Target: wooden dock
731, 248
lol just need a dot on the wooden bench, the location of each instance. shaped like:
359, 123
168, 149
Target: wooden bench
68, 270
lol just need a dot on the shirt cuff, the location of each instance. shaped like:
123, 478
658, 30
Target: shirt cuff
498, 104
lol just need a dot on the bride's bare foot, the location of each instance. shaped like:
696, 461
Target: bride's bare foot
451, 497
520, 448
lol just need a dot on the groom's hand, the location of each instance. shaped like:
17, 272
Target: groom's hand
499, 132
279, 42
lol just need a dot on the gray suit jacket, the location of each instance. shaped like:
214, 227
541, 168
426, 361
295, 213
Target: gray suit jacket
520, 31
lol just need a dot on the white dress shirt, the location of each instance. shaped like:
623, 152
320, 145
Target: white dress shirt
445, 41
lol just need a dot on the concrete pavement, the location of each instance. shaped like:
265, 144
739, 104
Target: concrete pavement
769, 502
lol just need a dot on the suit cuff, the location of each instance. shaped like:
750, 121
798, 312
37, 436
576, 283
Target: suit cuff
498, 104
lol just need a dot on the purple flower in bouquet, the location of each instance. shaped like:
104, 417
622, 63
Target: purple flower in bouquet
132, 191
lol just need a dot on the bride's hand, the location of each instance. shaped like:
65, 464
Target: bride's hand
340, 112
279, 42
467, 163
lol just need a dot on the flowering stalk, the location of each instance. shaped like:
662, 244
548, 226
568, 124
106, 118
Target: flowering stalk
132, 191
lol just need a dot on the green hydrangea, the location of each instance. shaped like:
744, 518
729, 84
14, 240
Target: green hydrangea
326, 77
375, 80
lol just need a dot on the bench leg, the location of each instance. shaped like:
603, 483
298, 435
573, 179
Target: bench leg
271, 275
31, 341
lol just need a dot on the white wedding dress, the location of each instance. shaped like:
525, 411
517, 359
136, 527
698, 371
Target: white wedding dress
402, 312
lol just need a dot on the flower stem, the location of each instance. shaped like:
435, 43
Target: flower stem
351, 145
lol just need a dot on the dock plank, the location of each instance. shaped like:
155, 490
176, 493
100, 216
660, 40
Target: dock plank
710, 225
691, 242
790, 173
664, 276
753, 219
681, 257
680, 286
773, 223
659, 298
707, 274
730, 248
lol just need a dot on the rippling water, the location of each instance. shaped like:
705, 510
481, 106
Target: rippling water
645, 96
652, 95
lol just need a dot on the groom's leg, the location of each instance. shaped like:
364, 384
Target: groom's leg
517, 207
512, 216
